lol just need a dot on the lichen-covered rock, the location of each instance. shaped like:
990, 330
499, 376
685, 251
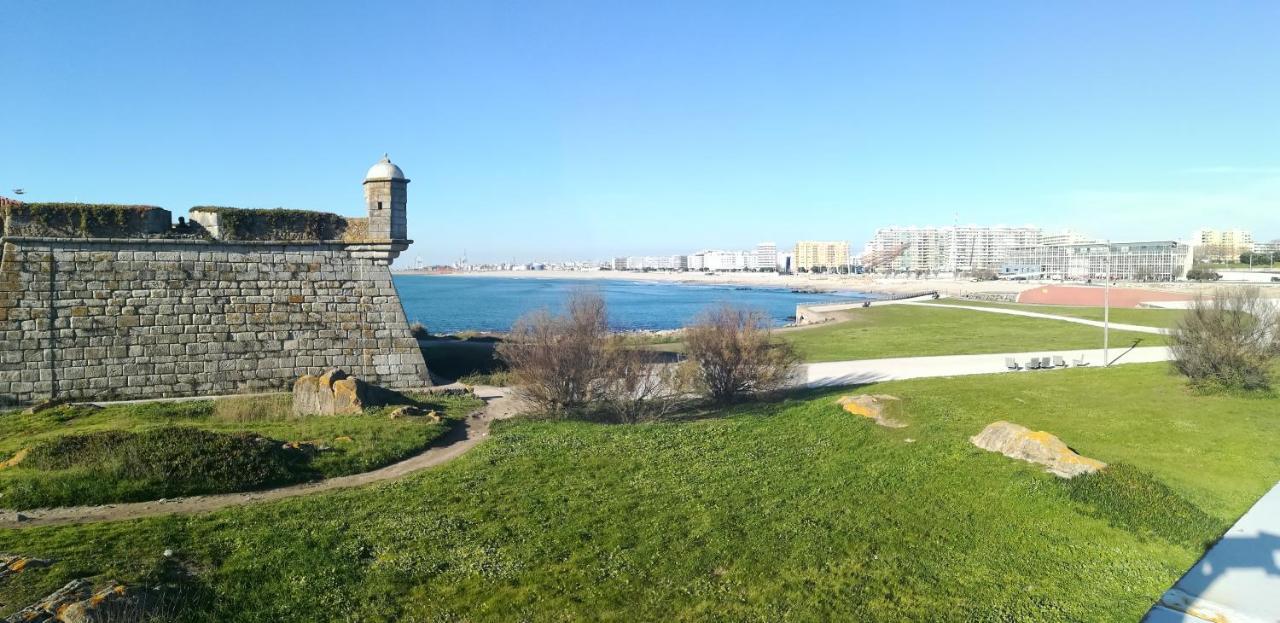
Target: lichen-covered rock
876, 407
412, 411
12, 564
331, 393
77, 602
1039, 447
348, 396
17, 458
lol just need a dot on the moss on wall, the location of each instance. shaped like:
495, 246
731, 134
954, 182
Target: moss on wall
83, 220
275, 224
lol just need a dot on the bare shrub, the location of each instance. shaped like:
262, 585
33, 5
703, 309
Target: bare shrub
1229, 340
570, 364
636, 386
732, 354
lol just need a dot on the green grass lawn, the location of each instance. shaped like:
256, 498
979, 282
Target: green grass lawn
1163, 318
792, 510
133, 452
913, 331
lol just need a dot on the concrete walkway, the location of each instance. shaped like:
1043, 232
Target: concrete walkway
842, 306
1237, 580
464, 436
836, 373
1029, 314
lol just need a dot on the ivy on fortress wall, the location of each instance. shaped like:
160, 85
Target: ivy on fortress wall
82, 220
276, 224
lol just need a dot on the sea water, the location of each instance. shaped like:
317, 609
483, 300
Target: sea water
449, 304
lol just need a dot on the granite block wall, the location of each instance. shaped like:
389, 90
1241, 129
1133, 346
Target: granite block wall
132, 318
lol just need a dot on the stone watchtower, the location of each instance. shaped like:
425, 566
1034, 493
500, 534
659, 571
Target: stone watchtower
386, 195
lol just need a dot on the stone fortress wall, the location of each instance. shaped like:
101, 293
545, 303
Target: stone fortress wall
113, 302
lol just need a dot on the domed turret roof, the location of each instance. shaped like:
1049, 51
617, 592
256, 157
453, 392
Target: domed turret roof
384, 170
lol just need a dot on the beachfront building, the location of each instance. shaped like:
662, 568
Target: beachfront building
766, 257
785, 263
1159, 260
952, 249
1221, 245
724, 260
658, 262
814, 255
1065, 236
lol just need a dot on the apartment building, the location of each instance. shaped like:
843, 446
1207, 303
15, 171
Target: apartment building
766, 256
811, 254
949, 249
1221, 245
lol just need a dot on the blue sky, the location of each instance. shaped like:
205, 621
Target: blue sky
586, 129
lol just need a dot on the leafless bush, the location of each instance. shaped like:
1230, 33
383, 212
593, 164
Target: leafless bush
732, 353
1229, 340
636, 386
571, 364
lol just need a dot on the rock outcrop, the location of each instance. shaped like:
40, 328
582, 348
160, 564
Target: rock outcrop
331, 393
876, 407
77, 602
1019, 442
12, 564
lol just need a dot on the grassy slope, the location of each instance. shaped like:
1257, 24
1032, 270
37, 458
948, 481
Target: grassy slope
1164, 318
793, 510
375, 440
910, 331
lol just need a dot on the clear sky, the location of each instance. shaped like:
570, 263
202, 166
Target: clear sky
587, 129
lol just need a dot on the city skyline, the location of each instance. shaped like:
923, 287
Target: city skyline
584, 131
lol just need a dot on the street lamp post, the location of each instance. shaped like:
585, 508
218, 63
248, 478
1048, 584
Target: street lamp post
1106, 312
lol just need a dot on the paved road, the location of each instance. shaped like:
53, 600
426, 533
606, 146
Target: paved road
498, 405
835, 373
1030, 314
1237, 580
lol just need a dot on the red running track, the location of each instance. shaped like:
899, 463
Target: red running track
1092, 296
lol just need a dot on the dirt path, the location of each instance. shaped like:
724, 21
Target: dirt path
498, 405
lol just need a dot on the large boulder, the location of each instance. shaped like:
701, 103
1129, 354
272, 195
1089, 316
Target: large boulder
331, 393
1019, 442
878, 408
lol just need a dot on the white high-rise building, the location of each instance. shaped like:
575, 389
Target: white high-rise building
724, 260
766, 256
945, 249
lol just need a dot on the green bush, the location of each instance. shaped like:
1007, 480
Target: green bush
1203, 274
1133, 500
165, 462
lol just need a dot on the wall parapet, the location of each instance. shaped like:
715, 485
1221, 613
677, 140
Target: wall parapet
84, 220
